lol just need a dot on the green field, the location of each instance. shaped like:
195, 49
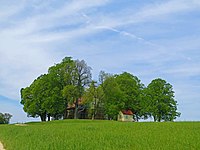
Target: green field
101, 135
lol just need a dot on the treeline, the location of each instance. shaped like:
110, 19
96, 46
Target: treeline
5, 118
68, 91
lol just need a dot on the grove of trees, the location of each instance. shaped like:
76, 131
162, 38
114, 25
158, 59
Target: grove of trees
68, 91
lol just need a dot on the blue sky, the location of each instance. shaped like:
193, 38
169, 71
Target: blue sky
149, 38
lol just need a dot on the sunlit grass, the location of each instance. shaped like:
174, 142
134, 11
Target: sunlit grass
101, 135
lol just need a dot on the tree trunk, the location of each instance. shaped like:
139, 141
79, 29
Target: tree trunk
76, 113
65, 114
159, 119
43, 117
76, 110
49, 117
136, 117
154, 118
93, 115
65, 111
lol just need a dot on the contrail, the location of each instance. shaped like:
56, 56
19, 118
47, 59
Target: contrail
86, 17
125, 33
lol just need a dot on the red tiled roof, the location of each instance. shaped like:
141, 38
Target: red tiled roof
127, 112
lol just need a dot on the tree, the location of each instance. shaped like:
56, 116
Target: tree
82, 79
1, 118
160, 101
44, 97
5, 118
71, 77
132, 88
122, 92
63, 77
33, 98
113, 98
70, 93
49, 95
103, 76
94, 98
144, 103
28, 102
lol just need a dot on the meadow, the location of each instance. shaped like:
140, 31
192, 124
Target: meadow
101, 135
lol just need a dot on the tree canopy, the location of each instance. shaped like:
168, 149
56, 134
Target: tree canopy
160, 100
50, 94
68, 91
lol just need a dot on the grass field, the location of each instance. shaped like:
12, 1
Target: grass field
101, 135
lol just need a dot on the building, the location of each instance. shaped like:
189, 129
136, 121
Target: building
82, 111
125, 115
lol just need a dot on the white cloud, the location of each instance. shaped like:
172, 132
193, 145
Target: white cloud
24, 44
161, 10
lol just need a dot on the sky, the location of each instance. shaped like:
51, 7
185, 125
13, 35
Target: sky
149, 38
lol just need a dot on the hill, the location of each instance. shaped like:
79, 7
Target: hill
98, 135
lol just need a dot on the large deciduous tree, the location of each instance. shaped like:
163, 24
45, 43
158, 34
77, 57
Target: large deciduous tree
122, 92
42, 98
32, 104
160, 101
62, 75
82, 78
132, 88
113, 98
50, 94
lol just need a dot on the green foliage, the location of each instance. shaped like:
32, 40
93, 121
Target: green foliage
70, 80
98, 135
40, 97
132, 88
122, 92
70, 92
114, 97
160, 101
44, 97
5, 118
50, 93
94, 97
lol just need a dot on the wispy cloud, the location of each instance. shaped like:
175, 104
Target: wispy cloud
24, 53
